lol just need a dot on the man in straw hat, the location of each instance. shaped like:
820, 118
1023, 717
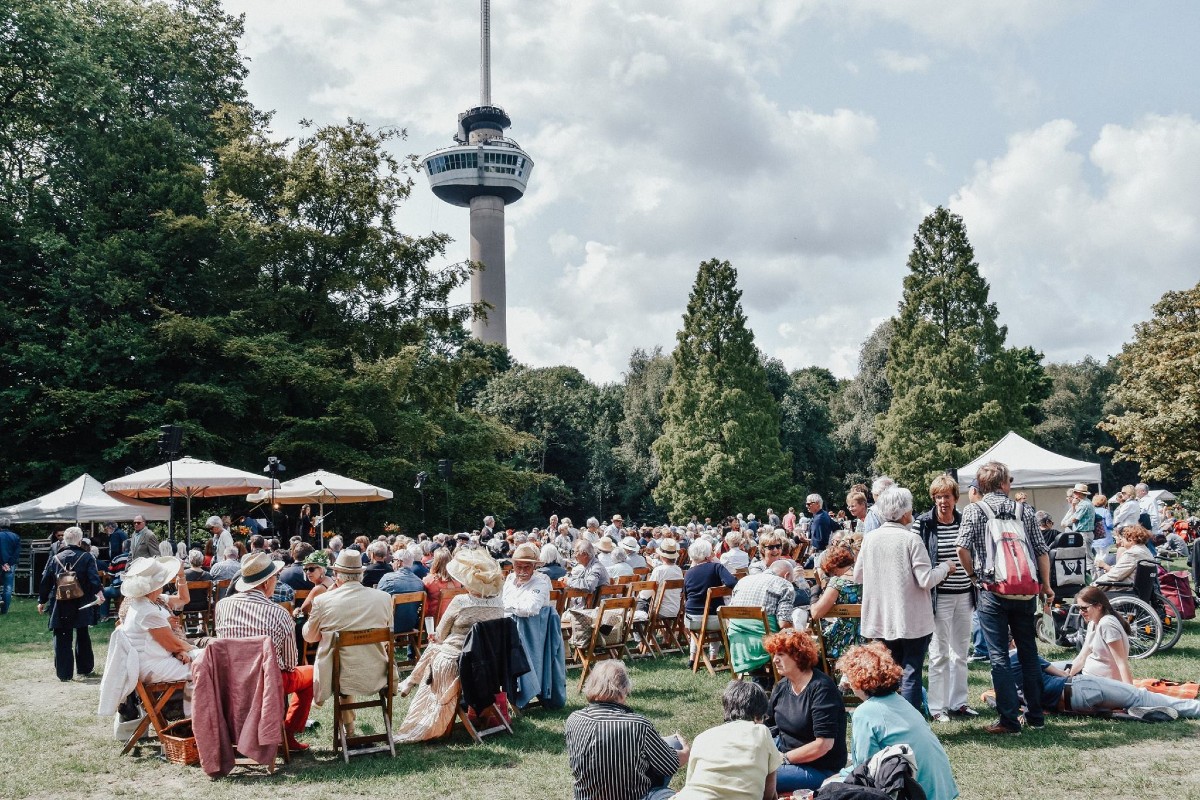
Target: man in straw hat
349, 606
666, 570
526, 591
250, 612
1082, 516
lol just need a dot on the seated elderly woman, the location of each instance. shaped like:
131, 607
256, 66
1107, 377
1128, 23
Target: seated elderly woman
615, 752
737, 760
1131, 548
551, 560
805, 714
436, 676
842, 633
148, 626
735, 558
618, 565
885, 718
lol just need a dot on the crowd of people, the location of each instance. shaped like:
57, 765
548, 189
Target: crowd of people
934, 584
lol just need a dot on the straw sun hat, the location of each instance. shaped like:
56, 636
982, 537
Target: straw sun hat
477, 571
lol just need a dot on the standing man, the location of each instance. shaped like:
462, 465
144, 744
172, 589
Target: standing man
1128, 509
488, 530
821, 528
873, 520
117, 537
1148, 506
789, 520
10, 555
250, 612
143, 543
772, 518
222, 539
1003, 617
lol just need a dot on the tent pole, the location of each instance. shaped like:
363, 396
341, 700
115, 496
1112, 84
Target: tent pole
321, 527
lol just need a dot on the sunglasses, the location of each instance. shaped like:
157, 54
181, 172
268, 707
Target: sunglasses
774, 547
1083, 607
311, 569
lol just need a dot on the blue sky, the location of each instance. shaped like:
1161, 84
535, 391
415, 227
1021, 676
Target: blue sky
803, 141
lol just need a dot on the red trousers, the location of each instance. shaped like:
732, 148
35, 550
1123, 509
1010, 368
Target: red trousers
299, 684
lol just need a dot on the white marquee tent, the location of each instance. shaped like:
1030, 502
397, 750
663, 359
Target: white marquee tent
81, 500
1041, 474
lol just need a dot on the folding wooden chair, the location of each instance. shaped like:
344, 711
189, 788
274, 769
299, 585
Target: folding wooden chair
462, 715
301, 596
625, 580
643, 627
352, 745
407, 644
558, 599
588, 598
200, 619
596, 648
613, 590
704, 637
669, 628
444, 598
221, 589
154, 698
728, 613
824, 662
641, 573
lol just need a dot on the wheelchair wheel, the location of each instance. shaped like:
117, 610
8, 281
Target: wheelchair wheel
1172, 623
1146, 627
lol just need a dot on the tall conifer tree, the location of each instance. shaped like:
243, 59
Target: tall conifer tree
957, 389
719, 452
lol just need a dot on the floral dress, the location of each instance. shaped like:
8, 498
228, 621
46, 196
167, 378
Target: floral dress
842, 634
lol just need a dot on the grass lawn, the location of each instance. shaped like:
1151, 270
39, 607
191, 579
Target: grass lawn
54, 746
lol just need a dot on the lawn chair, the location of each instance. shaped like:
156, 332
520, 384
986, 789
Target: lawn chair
154, 698
642, 627
727, 614
597, 649
407, 643
612, 590
670, 629
493, 630
343, 742
199, 619
705, 636
824, 662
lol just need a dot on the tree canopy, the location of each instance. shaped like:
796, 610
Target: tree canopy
719, 451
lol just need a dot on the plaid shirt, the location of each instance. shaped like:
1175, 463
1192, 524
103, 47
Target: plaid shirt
972, 532
768, 591
251, 614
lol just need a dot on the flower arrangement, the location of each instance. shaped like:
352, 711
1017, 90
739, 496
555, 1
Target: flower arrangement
391, 527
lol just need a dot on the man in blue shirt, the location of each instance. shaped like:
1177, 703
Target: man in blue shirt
10, 554
820, 530
399, 581
116, 540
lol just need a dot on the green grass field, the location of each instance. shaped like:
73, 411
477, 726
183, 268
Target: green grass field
54, 746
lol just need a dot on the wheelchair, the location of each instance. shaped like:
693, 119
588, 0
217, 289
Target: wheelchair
1154, 622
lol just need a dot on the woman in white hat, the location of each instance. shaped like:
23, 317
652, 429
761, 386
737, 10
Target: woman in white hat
431, 711
163, 654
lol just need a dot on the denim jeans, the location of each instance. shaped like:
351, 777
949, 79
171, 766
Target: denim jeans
1089, 691
910, 655
790, 777
10, 581
1001, 619
978, 645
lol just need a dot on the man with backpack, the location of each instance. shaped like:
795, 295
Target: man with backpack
1002, 550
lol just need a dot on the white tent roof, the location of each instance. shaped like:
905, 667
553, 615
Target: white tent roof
192, 478
1032, 466
81, 500
323, 487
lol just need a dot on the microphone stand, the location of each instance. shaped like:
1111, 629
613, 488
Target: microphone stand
321, 525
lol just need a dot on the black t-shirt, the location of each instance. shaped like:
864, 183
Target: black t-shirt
816, 713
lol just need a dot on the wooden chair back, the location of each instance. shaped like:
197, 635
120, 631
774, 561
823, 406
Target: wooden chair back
343, 742
613, 590
667, 633
641, 572
407, 644
586, 599
596, 648
704, 637
727, 614
202, 617
624, 580
825, 662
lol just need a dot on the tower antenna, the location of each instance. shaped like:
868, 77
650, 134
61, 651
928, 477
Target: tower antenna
485, 52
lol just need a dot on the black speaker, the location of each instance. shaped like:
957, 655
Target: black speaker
170, 439
445, 468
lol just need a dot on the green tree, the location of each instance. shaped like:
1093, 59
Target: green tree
957, 388
719, 451
1158, 421
806, 433
641, 424
857, 406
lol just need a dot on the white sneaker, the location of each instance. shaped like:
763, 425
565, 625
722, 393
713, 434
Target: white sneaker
1154, 713
941, 716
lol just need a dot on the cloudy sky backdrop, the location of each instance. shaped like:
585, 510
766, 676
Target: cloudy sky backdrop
803, 140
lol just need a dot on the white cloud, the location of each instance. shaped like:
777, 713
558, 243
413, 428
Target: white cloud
903, 62
1078, 244
972, 24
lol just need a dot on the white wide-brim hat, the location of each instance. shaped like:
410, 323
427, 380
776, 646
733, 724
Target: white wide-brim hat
145, 575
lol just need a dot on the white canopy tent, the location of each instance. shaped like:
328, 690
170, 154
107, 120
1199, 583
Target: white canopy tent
188, 477
322, 487
81, 500
1044, 476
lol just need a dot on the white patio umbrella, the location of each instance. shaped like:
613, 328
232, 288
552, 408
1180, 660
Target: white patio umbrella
322, 487
187, 477
81, 500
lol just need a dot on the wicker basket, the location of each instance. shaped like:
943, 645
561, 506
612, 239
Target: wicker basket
179, 744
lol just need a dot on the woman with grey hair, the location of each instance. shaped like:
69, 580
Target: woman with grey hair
706, 572
618, 566
615, 752
737, 760
67, 620
897, 575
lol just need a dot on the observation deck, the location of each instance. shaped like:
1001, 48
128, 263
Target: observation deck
494, 167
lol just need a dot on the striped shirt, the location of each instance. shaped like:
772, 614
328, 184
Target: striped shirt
247, 614
615, 753
947, 550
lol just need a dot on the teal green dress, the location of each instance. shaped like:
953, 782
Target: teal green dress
842, 634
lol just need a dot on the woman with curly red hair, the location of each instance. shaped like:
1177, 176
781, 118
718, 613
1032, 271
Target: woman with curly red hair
885, 718
805, 714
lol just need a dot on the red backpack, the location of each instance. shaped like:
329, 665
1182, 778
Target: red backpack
1010, 567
